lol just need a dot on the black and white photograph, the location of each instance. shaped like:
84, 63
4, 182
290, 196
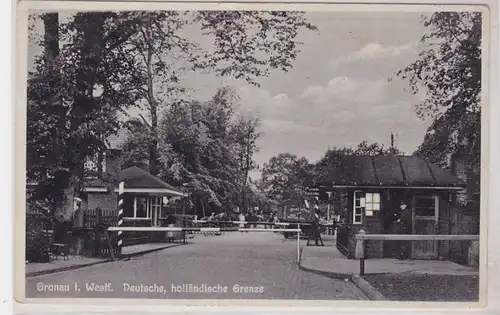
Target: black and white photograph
256, 154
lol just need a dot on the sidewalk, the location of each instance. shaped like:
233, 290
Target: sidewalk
328, 260
393, 279
76, 262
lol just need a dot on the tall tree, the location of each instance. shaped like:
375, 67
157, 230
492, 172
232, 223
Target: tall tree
154, 49
198, 151
449, 71
74, 100
246, 45
73, 97
246, 136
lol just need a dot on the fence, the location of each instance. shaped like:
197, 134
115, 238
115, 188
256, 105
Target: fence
343, 231
109, 218
361, 237
93, 232
94, 217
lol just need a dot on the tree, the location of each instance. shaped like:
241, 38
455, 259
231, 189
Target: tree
330, 160
74, 96
246, 45
199, 150
373, 149
151, 49
333, 156
246, 136
135, 151
449, 71
286, 177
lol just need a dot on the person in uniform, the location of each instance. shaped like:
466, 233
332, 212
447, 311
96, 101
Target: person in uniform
402, 224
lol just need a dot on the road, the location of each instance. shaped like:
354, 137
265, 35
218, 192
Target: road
253, 265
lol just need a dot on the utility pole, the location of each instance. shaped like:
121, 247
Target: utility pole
392, 149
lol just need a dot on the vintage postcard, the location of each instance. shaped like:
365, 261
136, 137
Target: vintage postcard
251, 153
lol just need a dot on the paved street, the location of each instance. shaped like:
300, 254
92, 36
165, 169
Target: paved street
262, 264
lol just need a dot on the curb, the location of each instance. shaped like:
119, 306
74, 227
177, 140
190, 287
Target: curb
369, 290
333, 275
68, 268
149, 251
74, 267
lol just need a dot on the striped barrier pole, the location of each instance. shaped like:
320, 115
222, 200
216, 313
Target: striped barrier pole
201, 229
261, 223
121, 189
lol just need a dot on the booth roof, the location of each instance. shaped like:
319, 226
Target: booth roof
135, 177
406, 171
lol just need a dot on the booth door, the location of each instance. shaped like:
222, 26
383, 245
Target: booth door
155, 205
425, 221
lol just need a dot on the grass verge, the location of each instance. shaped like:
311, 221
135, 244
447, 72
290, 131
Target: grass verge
426, 287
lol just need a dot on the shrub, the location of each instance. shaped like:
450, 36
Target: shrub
37, 241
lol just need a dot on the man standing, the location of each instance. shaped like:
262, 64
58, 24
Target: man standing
315, 231
402, 226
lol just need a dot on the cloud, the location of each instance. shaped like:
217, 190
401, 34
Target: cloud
258, 101
374, 51
343, 93
286, 126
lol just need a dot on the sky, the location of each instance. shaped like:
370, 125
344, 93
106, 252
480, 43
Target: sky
337, 94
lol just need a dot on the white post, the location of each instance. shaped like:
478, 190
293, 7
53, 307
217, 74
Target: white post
298, 243
135, 206
360, 252
329, 229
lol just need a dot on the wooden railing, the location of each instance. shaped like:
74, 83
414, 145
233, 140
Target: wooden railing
343, 238
361, 237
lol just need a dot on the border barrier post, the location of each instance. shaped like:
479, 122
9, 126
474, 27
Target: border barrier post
360, 251
121, 189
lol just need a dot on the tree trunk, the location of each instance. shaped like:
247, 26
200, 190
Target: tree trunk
153, 108
51, 36
51, 52
153, 147
203, 208
93, 24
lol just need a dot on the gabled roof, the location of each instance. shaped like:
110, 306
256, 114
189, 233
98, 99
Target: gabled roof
135, 177
392, 171
137, 181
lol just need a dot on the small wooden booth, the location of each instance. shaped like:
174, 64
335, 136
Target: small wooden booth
368, 190
147, 202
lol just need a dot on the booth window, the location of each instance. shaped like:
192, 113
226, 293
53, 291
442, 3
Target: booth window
141, 205
357, 214
128, 206
367, 203
425, 206
372, 203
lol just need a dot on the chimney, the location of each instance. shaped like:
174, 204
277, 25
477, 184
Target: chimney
112, 165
